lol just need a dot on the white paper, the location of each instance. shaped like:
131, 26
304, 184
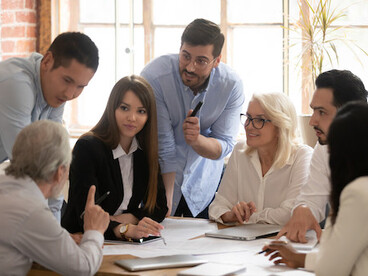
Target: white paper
211, 269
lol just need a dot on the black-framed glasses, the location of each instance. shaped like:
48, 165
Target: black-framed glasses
199, 63
257, 123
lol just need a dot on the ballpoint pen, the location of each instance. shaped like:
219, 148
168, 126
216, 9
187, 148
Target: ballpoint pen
98, 201
163, 239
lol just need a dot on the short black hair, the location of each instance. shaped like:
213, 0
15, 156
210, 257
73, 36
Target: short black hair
204, 32
74, 45
348, 143
345, 85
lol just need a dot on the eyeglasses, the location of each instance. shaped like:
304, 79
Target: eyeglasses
257, 123
199, 63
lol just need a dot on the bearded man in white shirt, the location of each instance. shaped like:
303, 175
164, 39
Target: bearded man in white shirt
334, 89
29, 232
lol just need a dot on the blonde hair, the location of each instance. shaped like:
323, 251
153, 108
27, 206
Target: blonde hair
39, 150
280, 110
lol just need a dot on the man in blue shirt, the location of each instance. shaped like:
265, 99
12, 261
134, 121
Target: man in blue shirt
37, 87
192, 149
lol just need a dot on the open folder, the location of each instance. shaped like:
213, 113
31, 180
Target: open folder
245, 232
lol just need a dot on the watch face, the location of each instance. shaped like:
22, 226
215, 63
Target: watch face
123, 229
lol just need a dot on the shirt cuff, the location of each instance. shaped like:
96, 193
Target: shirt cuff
310, 261
93, 235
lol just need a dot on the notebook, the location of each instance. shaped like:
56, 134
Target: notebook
160, 262
246, 232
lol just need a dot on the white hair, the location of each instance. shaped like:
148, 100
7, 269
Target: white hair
39, 150
280, 110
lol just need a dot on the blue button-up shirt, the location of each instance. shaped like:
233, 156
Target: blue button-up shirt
21, 103
197, 177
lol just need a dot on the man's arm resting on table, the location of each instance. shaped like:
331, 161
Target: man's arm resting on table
301, 221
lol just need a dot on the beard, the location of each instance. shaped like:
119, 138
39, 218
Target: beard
320, 140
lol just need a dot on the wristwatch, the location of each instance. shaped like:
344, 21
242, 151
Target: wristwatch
123, 230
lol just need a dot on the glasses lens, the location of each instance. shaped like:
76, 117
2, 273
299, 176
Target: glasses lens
258, 123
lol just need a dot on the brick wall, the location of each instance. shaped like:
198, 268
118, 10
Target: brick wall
17, 28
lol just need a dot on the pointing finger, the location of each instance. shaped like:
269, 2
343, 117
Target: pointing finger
91, 196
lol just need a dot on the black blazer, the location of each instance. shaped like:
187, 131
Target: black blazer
93, 164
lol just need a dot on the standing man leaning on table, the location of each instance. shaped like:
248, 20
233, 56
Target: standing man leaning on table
29, 232
192, 149
334, 89
37, 87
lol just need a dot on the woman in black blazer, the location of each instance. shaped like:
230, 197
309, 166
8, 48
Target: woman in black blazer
120, 155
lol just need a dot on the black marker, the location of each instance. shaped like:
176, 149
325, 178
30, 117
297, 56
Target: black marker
196, 109
98, 201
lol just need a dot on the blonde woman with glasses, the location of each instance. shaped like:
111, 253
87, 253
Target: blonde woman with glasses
265, 173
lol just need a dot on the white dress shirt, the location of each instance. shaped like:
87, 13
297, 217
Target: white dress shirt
126, 169
317, 189
29, 232
273, 194
344, 245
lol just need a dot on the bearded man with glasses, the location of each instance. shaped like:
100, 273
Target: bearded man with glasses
192, 148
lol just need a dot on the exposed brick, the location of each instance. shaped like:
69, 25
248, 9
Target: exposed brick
8, 46
30, 4
13, 31
7, 17
25, 16
12, 4
31, 31
25, 46
6, 56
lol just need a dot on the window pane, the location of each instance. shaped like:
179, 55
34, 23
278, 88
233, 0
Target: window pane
256, 55
356, 11
354, 59
124, 8
90, 11
169, 12
250, 11
125, 52
91, 103
167, 40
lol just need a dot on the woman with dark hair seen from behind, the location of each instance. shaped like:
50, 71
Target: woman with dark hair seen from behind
120, 155
344, 243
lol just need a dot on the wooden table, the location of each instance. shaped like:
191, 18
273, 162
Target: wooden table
109, 268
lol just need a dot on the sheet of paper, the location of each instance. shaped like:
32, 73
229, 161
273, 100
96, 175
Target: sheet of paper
185, 229
211, 269
312, 241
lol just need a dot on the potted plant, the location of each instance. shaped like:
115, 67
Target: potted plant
320, 36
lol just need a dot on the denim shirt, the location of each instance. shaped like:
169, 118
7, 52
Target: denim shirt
197, 177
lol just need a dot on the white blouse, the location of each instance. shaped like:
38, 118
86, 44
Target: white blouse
126, 169
344, 245
273, 194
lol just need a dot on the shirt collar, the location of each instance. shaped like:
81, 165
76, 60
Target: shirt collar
119, 152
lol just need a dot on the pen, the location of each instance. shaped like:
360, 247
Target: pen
198, 106
98, 201
263, 251
163, 239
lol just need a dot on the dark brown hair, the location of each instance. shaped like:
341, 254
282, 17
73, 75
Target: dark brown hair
204, 32
107, 130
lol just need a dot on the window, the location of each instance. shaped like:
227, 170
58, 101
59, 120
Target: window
130, 33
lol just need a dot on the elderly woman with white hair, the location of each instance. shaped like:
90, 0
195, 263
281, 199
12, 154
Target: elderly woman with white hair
265, 173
